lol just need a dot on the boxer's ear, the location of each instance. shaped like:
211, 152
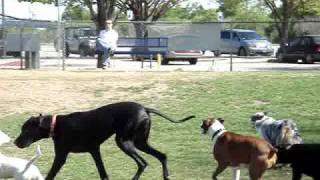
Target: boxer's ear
221, 120
210, 121
44, 122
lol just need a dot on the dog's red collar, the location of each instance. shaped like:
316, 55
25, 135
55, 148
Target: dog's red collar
52, 125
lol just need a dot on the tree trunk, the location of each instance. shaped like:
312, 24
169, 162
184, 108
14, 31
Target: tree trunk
286, 11
105, 11
101, 17
284, 33
141, 30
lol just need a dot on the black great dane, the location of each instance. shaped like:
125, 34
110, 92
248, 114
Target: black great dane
85, 131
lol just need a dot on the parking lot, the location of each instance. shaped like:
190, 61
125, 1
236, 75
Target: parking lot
221, 64
49, 60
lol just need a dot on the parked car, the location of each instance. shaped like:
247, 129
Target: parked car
306, 48
243, 42
190, 56
182, 55
80, 40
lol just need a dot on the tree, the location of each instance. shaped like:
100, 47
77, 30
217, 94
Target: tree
146, 10
105, 10
285, 11
230, 7
192, 12
76, 12
143, 10
40, 1
198, 14
310, 8
244, 11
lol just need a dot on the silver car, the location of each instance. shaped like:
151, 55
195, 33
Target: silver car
244, 42
182, 55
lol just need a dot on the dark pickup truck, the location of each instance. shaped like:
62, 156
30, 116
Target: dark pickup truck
305, 48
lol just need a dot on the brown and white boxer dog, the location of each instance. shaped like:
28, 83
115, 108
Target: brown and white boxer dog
230, 149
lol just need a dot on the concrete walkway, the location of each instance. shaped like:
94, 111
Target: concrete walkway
209, 63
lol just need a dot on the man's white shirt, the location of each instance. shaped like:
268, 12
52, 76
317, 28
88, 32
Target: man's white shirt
108, 38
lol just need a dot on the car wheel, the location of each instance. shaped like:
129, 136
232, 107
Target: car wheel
134, 57
137, 57
165, 61
193, 61
83, 52
292, 60
216, 53
13, 53
308, 59
243, 52
92, 54
280, 57
269, 54
67, 51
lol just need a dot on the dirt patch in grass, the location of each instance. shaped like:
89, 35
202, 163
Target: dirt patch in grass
55, 91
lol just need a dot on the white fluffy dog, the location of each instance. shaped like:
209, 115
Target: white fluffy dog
4, 138
17, 168
280, 133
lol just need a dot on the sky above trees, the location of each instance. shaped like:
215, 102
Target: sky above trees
30, 11
49, 12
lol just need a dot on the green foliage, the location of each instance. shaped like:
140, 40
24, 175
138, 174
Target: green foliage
243, 10
199, 14
230, 7
285, 14
76, 12
194, 12
175, 14
40, 1
308, 8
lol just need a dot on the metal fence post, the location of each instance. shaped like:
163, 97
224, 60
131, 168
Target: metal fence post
21, 49
59, 34
231, 53
63, 46
3, 24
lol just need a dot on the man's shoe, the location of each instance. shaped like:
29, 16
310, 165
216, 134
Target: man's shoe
102, 66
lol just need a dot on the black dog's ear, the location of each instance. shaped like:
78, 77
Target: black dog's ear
221, 120
44, 122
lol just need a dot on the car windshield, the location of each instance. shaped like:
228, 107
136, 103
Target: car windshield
88, 33
316, 39
250, 36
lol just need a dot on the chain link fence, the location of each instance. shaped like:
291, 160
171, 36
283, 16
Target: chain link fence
60, 44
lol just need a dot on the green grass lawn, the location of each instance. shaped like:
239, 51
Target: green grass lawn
233, 96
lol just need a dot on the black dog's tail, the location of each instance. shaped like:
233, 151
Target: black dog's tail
150, 110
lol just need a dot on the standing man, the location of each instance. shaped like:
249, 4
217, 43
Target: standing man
107, 43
